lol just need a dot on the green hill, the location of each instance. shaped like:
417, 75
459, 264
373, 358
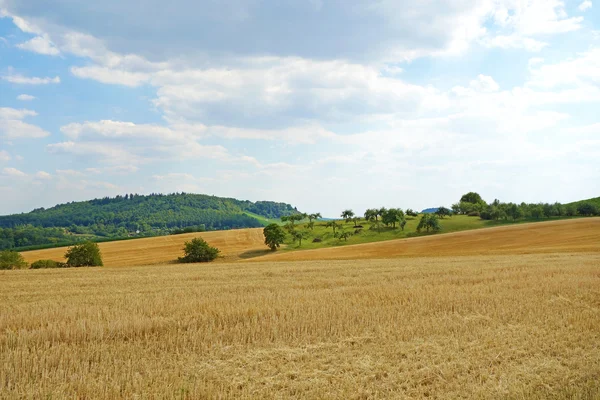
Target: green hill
134, 215
595, 201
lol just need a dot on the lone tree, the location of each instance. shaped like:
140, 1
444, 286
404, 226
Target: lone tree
84, 255
11, 260
274, 236
472, 198
344, 235
347, 215
197, 250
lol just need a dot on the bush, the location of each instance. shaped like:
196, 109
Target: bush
11, 260
317, 240
84, 255
47, 264
197, 250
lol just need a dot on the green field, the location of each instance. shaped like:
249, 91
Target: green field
367, 234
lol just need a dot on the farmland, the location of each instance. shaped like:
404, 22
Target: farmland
474, 317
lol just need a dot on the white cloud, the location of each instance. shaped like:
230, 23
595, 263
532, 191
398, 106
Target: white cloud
25, 80
25, 97
111, 76
4, 156
14, 173
43, 175
584, 6
40, 45
514, 42
12, 125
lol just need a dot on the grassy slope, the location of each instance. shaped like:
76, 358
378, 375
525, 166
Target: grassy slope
367, 235
263, 220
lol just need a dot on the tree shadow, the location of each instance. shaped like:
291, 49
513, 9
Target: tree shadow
254, 253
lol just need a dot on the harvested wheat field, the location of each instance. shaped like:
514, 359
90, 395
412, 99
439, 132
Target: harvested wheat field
525, 327
159, 250
581, 235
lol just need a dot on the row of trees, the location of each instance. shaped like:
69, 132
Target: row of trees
472, 204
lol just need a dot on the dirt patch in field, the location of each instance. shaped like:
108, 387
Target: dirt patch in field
565, 236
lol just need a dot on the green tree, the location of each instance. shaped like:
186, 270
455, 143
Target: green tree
299, 236
392, 217
198, 250
344, 235
443, 212
311, 225
587, 209
429, 222
537, 211
356, 220
84, 255
274, 236
402, 224
410, 212
333, 224
371, 214
472, 198
314, 216
11, 260
347, 215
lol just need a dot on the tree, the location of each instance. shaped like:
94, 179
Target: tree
429, 222
84, 255
411, 213
587, 209
571, 210
314, 216
456, 208
292, 219
549, 210
536, 211
274, 236
472, 198
443, 212
381, 211
402, 224
311, 225
356, 220
392, 216
299, 235
514, 211
344, 235
371, 214
11, 260
197, 250
376, 225
333, 224
347, 215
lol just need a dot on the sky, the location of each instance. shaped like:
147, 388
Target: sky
324, 104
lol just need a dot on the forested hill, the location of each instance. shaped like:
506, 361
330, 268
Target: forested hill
134, 215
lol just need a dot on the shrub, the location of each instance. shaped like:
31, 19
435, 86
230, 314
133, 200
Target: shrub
197, 250
47, 264
317, 240
84, 255
11, 260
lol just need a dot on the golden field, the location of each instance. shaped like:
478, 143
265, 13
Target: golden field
490, 322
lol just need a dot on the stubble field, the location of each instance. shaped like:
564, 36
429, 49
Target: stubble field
499, 325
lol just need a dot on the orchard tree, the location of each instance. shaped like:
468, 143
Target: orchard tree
315, 216
371, 214
429, 222
443, 212
334, 225
344, 235
347, 215
274, 236
299, 236
356, 220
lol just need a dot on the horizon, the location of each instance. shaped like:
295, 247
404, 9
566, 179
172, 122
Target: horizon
363, 104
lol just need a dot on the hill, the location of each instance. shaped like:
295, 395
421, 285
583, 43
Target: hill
134, 215
595, 201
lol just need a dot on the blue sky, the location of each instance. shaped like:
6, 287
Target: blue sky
325, 104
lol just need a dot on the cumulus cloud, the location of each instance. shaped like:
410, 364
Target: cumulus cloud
43, 175
12, 125
40, 45
584, 6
